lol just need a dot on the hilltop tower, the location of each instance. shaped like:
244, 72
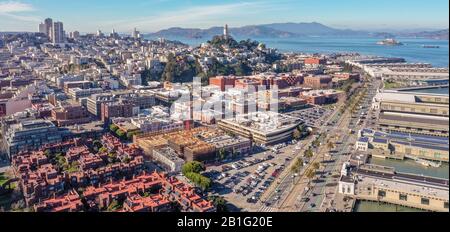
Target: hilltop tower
225, 31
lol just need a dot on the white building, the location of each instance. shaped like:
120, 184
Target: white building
135, 34
77, 93
347, 186
74, 35
42, 28
100, 33
169, 159
132, 80
362, 144
48, 27
63, 79
149, 124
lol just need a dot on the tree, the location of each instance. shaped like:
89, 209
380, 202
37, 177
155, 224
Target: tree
201, 181
220, 203
113, 128
103, 150
297, 165
112, 157
121, 134
48, 153
145, 75
204, 182
297, 134
330, 145
180, 69
97, 145
193, 166
310, 174
309, 153
191, 170
242, 69
114, 206
316, 165
316, 143
130, 135
222, 154
220, 41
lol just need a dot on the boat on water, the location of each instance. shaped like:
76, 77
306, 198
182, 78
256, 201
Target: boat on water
430, 46
427, 163
390, 42
424, 162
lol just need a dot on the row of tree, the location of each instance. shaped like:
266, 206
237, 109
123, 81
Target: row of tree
192, 171
122, 134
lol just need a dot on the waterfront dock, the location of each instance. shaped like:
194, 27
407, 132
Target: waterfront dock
421, 192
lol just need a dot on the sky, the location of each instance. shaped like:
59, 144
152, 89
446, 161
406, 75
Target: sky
153, 15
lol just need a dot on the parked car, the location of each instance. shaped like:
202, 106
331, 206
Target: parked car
305, 199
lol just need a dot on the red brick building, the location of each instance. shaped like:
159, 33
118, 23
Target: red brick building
347, 76
70, 115
70, 202
155, 203
223, 81
117, 109
315, 61
318, 82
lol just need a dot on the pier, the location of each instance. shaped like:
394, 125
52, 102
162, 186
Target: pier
424, 87
415, 191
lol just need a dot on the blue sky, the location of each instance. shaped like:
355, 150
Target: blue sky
153, 15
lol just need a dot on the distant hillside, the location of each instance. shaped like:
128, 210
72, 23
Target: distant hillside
313, 29
276, 30
290, 30
247, 31
441, 34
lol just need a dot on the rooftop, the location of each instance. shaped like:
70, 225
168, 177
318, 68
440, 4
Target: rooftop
409, 187
266, 122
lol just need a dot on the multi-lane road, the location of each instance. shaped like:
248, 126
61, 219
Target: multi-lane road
316, 192
276, 197
297, 193
322, 194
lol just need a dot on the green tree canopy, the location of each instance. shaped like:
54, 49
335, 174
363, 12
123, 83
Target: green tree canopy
201, 181
220, 203
309, 153
113, 128
121, 134
193, 166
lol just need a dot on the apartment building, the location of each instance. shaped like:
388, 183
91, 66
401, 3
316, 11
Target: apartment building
31, 135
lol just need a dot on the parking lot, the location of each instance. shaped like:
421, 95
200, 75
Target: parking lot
313, 117
242, 183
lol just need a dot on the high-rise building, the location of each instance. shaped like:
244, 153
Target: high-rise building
135, 34
100, 33
42, 28
48, 27
114, 34
74, 34
58, 32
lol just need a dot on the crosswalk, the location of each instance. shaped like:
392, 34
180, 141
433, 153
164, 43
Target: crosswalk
267, 209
